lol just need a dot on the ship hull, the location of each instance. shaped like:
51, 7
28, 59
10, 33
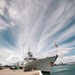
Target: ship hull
44, 64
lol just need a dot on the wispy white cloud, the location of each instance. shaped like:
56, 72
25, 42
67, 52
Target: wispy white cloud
40, 24
66, 59
14, 59
2, 4
9, 57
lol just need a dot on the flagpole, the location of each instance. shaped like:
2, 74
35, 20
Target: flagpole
56, 46
55, 51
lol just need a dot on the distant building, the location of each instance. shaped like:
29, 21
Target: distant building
71, 63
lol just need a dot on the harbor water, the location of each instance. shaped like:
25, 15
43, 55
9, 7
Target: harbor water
62, 70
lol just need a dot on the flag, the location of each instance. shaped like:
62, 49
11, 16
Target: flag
56, 45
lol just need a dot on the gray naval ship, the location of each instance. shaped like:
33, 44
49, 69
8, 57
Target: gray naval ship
44, 64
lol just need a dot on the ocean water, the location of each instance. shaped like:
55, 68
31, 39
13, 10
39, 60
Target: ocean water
62, 70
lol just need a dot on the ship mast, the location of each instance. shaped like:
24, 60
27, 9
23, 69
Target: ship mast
23, 51
30, 55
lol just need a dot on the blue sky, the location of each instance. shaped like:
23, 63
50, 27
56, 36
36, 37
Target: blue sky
40, 24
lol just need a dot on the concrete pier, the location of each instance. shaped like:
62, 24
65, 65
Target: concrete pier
19, 72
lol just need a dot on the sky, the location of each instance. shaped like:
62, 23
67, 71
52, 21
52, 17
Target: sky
38, 24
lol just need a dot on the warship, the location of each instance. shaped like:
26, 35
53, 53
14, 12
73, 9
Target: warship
43, 64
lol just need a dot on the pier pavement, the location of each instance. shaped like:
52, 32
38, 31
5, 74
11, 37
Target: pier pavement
19, 72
